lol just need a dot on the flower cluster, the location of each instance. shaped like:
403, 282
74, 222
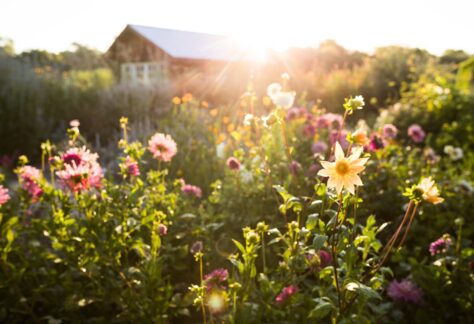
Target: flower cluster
80, 170
216, 279
30, 178
440, 245
4, 197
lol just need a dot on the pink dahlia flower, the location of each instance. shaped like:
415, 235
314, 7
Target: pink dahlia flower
29, 180
4, 197
405, 290
216, 278
389, 131
131, 167
162, 146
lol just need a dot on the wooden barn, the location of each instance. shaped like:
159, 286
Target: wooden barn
158, 55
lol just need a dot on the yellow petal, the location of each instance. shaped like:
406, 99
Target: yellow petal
339, 184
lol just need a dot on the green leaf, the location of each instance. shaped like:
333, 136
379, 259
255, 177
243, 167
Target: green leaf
10, 236
363, 290
318, 241
239, 246
312, 221
321, 310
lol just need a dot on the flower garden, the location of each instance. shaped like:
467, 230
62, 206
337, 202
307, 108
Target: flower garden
277, 212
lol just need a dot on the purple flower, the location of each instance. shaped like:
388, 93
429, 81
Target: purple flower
319, 147
309, 130
295, 113
216, 278
285, 294
329, 121
342, 138
313, 169
196, 247
416, 133
233, 163
192, 190
405, 290
294, 167
440, 245
389, 131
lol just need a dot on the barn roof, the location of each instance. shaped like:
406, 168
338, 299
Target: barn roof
192, 45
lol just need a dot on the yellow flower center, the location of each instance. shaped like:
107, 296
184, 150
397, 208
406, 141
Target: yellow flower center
342, 167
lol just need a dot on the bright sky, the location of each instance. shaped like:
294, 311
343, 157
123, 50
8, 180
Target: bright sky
363, 24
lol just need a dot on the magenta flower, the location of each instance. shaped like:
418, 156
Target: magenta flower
389, 131
405, 290
192, 190
416, 133
163, 147
325, 258
233, 163
131, 166
329, 120
76, 156
376, 142
4, 197
295, 113
285, 294
29, 179
309, 130
440, 245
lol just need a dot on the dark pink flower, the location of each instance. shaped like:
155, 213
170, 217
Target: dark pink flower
192, 190
285, 294
4, 197
440, 245
233, 164
416, 133
131, 166
309, 130
295, 113
325, 258
405, 290
329, 120
216, 278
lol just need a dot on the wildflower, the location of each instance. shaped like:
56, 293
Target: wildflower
295, 113
357, 102
440, 245
416, 133
204, 104
325, 258
273, 89
455, 153
294, 167
266, 101
78, 156
360, 137
329, 120
312, 170
176, 100
162, 229
343, 172
376, 142
284, 99
269, 120
429, 191
405, 290
131, 167
4, 197
233, 163
309, 130
430, 155
187, 97
285, 294
29, 179
192, 190
389, 131
216, 278
319, 147
162, 146
196, 247
248, 118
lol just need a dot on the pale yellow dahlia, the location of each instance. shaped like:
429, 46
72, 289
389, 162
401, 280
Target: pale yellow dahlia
430, 191
343, 172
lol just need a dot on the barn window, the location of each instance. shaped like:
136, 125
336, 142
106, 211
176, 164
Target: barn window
143, 72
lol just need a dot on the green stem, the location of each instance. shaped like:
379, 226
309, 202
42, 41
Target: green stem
334, 253
203, 309
263, 253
